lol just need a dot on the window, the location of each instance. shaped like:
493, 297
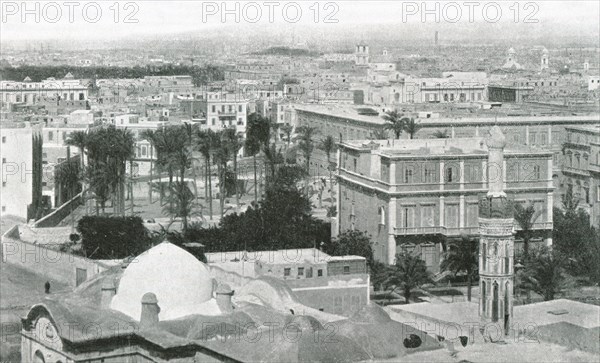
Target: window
346, 270
309, 273
3, 184
214, 108
537, 172
451, 220
428, 216
408, 176
4, 208
409, 216
381, 213
429, 174
450, 175
3, 160
240, 108
50, 135
286, 271
3, 139
319, 273
300, 271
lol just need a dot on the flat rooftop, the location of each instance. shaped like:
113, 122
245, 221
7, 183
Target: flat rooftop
300, 256
429, 147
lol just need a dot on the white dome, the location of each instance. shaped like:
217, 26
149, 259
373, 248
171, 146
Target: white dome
180, 282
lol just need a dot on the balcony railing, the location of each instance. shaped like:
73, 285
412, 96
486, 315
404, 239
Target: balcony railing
456, 231
446, 231
227, 113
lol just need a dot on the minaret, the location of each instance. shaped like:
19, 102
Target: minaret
496, 243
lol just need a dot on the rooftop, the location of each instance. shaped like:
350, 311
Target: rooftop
429, 147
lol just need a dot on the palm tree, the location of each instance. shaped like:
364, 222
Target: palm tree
328, 145
544, 274
411, 127
462, 256
525, 218
306, 145
68, 176
408, 273
379, 135
221, 157
234, 141
259, 133
287, 130
252, 148
78, 139
441, 134
205, 144
395, 122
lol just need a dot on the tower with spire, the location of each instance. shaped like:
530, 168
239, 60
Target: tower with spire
544, 61
496, 242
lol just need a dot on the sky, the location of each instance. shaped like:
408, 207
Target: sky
88, 20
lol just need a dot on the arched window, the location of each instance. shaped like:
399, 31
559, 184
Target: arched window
484, 256
38, 357
483, 296
381, 214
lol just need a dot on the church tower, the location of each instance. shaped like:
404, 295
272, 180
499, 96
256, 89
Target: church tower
496, 243
544, 61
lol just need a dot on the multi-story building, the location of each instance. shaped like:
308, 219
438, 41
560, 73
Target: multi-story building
224, 110
415, 194
581, 168
32, 93
22, 170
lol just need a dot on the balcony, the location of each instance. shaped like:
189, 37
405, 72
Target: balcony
227, 114
576, 171
446, 231
456, 231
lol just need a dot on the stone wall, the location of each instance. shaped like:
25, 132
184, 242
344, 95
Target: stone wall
44, 261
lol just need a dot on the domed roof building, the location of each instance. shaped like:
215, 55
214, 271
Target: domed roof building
181, 283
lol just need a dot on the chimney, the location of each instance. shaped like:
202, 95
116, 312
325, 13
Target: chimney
150, 311
108, 291
224, 294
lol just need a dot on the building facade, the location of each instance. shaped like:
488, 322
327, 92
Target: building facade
419, 193
580, 169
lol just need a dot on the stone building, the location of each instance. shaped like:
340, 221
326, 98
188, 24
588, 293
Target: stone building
416, 194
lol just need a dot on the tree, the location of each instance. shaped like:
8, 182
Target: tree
78, 139
380, 134
328, 145
352, 242
259, 135
287, 130
411, 127
306, 146
68, 177
462, 256
544, 273
395, 122
221, 157
441, 134
206, 142
182, 205
525, 218
408, 273
109, 149
252, 148
233, 141
112, 237
575, 238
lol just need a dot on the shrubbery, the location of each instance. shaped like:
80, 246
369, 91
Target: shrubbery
113, 237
